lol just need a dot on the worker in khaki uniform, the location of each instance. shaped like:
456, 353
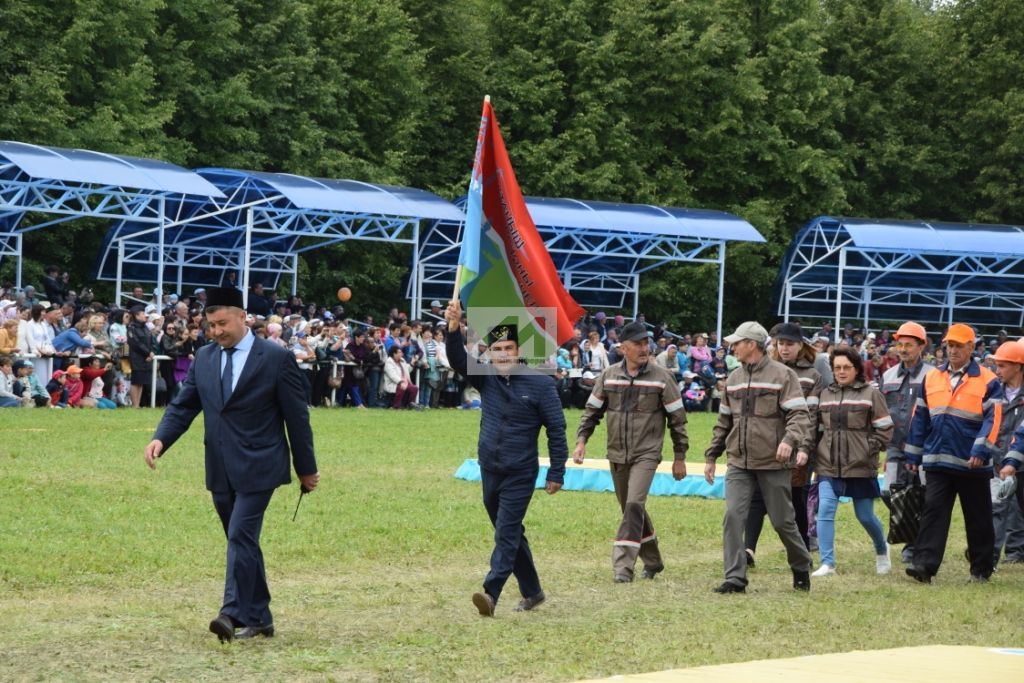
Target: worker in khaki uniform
639, 397
762, 420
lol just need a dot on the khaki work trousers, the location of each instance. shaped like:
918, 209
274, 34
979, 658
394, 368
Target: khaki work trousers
775, 489
636, 532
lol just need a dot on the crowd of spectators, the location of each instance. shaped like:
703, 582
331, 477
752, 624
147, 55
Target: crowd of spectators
61, 348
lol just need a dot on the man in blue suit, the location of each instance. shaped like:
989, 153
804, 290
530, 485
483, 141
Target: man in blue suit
248, 390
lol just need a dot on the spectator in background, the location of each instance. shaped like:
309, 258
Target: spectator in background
258, 304
398, 380
71, 343
374, 362
8, 399
170, 343
54, 287
30, 297
27, 386
700, 353
140, 354
355, 352
57, 389
670, 361
97, 336
596, 355
9, 337
77, 396
891, 359
39, 336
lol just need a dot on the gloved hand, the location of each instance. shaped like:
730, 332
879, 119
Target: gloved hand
1007, 487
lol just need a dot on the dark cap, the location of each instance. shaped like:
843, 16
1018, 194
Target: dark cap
224, 296
634, 331
136, 309
21, 363
500, 333
789, 332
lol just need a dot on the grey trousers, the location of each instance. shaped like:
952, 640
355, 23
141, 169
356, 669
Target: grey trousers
635, 536
775, 488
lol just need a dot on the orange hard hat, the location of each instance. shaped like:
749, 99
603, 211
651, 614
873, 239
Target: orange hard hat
911, 329
1011, 352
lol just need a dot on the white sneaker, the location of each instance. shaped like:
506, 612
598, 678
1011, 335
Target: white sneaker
824, 570
883, 565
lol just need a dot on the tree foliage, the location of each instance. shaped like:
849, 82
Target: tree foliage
777, 110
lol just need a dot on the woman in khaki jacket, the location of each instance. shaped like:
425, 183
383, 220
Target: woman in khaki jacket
854, 426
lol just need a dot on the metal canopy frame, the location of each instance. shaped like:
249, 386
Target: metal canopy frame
600, 249
68, 184
886, 270
262, 224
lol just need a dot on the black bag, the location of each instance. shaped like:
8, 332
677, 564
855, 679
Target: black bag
358, 373
906, 506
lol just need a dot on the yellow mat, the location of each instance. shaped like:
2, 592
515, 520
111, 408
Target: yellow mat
929, 664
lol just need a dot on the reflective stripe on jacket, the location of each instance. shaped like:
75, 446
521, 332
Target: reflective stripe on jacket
951, 426
638, 410
811, 385
855, 425
901, 387
762, 407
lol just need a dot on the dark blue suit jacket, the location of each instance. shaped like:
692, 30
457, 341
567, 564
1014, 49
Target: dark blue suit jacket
246, 450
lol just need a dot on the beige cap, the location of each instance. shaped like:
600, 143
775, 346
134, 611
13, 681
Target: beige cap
748, 330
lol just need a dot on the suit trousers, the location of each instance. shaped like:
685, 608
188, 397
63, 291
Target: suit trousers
776, 490
246, 595
755, 518
506, 497
635, 536
976, 503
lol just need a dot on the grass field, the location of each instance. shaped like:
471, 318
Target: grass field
111, 572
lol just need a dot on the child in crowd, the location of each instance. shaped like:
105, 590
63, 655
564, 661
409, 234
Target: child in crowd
58, 390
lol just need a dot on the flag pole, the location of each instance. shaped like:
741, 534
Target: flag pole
458, 270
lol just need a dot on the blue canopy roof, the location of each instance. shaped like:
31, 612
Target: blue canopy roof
98, 168
894, 270
287, 209
640, 218
352, 196
935, 237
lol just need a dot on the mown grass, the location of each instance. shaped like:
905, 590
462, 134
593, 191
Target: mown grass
111, 572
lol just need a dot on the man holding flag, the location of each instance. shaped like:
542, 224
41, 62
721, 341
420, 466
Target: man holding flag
516, 401
504, 266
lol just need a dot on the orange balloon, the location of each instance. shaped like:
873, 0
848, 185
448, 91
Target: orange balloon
344, 294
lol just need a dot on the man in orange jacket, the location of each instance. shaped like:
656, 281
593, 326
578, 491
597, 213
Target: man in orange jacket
954, 436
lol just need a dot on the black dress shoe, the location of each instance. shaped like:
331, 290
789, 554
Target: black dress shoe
223, 628
919, 573
266, 630
730, 587
484, 603
622, 578
650, 572
802, 581
527, 604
